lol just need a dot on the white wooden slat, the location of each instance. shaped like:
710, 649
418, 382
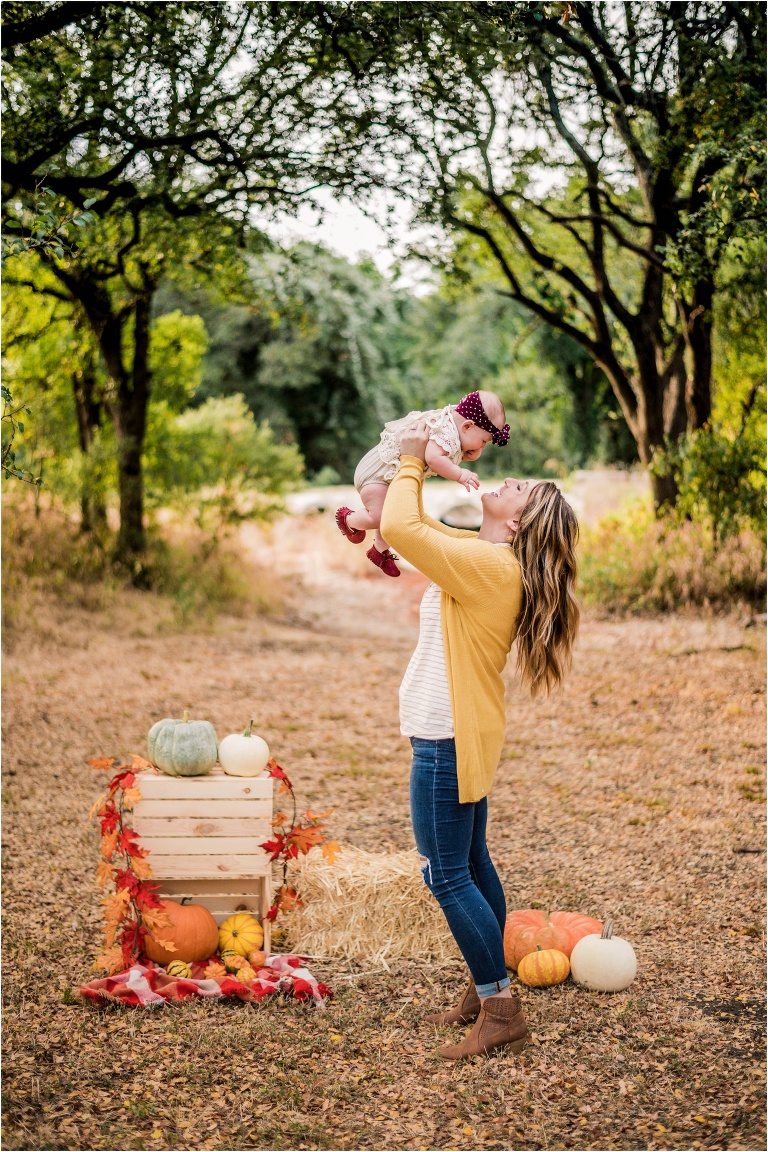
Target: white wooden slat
215, 809
221, 907
183, 867
173, 826
200, 846
244, 888
218, 786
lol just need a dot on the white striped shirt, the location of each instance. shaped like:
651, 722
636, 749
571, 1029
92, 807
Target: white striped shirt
425, 701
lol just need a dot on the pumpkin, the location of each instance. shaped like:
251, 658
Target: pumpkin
192, 930
604, 963
183, 747
530, 928
543, 968
246, 974
179, 969
240, 933
257, 958
245, 755
215, 969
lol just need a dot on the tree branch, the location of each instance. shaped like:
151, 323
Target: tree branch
51, 20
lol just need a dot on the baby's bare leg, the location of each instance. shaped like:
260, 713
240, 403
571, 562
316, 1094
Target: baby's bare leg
373, 497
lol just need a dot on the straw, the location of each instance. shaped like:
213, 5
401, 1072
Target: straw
367, 907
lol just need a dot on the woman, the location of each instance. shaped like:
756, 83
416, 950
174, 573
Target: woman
512, 579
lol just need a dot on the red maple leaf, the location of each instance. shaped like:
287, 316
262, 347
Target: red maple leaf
146, 895
126, 842
122, 779
274, 847
275, 770
110, 818
272, 914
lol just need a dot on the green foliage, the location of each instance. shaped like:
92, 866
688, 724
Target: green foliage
44, 225
720, 478
177, 350
633, 562
218, 463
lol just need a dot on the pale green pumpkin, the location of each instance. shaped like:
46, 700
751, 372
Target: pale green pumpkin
183, 747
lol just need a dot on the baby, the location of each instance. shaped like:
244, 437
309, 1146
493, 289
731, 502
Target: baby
456, 432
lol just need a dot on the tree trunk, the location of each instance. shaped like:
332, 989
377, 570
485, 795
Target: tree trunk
93, 508
133, 398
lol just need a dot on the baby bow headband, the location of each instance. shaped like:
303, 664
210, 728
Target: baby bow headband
471, 408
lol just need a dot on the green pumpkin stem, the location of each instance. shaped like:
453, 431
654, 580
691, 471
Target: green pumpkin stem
248, 729
607, 931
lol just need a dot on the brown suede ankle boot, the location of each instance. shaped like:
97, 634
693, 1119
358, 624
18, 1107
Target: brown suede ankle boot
501, 1023
465, 1011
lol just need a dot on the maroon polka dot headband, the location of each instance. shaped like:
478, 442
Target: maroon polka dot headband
471, 408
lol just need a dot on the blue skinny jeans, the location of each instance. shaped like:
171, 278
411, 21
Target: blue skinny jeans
456, 864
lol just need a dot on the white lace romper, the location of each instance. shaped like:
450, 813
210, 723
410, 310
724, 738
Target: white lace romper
380, 465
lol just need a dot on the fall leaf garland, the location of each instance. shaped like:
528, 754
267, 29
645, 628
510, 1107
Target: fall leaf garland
133, 908
292, 837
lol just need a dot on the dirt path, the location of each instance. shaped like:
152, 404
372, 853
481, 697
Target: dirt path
632, 792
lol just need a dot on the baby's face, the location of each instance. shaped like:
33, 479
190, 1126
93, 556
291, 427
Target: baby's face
473, 440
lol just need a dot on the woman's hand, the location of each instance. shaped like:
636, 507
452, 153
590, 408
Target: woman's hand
414, 440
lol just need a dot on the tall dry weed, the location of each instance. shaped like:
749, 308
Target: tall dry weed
633, 563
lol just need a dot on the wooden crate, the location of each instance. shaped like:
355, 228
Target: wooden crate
203, 834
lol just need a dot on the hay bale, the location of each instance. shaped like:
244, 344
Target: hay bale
366, 906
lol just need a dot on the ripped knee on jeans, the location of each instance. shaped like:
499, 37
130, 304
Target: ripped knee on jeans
426, 869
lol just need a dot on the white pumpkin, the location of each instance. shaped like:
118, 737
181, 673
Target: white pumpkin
604, 963
245, 755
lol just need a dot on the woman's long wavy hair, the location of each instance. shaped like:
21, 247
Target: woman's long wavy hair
545, 547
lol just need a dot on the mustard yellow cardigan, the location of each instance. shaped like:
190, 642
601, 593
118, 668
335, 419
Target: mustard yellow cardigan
482, 591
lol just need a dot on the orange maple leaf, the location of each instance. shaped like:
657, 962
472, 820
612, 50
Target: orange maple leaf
109, 844
155, 920
309, 816
104, 874
289, 898
141, 868
140, 762
98, 803
111, 959
167, 944
284, 787
130, 796
116, 906
330, 850
278, 819
104, 762
305, 838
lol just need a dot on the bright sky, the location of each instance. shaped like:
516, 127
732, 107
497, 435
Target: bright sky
348, 231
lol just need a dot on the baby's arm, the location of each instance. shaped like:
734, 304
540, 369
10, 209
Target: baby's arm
438, 460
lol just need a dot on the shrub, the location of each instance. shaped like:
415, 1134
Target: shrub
632, 562
46, 553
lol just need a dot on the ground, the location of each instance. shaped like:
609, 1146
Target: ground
636, 792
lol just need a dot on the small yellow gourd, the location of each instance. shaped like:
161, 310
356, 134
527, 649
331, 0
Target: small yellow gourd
180, 969
246, 974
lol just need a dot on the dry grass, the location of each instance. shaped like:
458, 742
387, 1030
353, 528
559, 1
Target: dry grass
633, 792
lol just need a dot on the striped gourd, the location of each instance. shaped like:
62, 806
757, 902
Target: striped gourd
180, 969
543, 968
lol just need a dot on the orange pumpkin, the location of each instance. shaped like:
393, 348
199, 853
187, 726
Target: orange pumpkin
543, 968
530, 928
192, 930
257, 958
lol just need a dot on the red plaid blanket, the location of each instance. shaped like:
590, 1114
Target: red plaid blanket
146, 986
